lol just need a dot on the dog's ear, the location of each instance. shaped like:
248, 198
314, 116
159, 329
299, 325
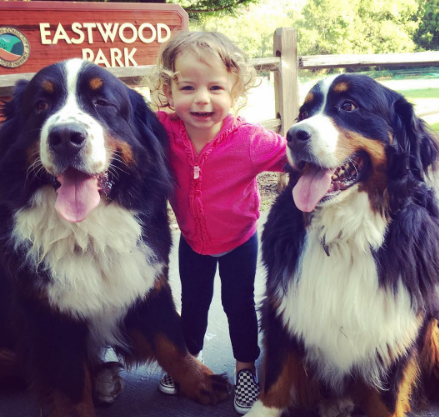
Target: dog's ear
416, 145
145, 117
152, 134
9, 109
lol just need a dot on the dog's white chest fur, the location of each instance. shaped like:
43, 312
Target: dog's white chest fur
335, 304
98, 268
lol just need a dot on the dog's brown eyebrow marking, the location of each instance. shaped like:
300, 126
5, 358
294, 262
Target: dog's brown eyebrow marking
309, 97
341, 87
48, 86
96, 83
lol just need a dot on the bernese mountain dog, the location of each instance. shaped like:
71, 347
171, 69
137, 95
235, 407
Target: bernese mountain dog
351, 248
85, 242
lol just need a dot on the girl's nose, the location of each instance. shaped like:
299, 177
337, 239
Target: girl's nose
202, 96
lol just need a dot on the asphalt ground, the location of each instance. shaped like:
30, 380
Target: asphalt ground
141, 397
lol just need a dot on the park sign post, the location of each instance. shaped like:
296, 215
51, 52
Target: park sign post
36, 34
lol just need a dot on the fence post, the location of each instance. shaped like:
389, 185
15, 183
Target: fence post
286, 82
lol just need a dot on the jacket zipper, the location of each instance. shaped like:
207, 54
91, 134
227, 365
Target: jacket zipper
196, 172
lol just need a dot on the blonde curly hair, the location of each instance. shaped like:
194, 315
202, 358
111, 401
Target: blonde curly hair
203, 45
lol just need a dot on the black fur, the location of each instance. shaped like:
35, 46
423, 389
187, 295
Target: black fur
408, 200
52, 345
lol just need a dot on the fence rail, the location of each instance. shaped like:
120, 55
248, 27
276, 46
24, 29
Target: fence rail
285, 64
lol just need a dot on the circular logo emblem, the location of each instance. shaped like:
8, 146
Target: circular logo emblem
14, 48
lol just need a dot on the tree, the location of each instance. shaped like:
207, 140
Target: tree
427, 36
357, 26
255, 28
195, 8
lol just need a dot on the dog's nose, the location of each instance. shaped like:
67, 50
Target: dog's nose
298, 138
67, 139
298, 134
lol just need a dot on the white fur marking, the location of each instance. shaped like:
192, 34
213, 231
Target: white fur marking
98, 267
335, 304
324, 139
94, 156
259, 410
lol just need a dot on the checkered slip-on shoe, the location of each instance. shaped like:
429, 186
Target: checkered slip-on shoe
246, 390
167, 383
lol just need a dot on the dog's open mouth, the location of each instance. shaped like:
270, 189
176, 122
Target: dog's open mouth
317, 184
79, 193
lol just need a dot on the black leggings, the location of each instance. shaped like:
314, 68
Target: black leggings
237, 270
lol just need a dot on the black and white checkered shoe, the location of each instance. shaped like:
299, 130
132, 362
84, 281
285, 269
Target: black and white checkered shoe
246, 390
167, 383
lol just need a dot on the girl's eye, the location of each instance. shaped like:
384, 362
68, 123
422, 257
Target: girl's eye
187, 88
216, 88
348, 106
41, 106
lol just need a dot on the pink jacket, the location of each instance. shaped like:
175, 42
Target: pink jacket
216, 201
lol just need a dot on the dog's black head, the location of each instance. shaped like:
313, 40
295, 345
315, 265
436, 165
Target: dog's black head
353, 134
78, 128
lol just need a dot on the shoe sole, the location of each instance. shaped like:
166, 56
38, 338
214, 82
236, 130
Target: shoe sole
167, 390
241, 410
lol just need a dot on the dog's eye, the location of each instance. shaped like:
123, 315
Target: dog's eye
303, 114
41, 106
348, 106
101, 102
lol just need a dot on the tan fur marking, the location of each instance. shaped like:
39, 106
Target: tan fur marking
9, 366
341, 87
371, 403
293, 379
123, 149
309, 97
62, 406
144, 352
96, 83
161, 282
370, 400
48, 86
352, 142
193, 377
430, 353
409, 381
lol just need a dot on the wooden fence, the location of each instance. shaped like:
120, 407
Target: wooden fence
285, 65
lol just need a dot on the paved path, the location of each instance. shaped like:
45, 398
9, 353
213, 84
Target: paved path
141, 397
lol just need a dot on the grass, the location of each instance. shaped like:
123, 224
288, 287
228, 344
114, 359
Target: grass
422, 93
435, 127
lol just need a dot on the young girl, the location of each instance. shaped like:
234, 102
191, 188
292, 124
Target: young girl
216, 158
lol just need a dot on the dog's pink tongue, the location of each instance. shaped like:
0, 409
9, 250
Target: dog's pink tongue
311, 188
78, 195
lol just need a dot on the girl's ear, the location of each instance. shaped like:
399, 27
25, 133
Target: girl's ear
168, 93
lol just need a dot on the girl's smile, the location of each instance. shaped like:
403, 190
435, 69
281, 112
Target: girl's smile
201, 95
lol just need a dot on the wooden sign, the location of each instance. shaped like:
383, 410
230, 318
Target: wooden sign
36, 34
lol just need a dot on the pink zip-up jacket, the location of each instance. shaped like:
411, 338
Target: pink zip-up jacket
216, 200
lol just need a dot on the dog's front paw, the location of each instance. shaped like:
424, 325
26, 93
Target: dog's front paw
206, 387
108, 383
342, 407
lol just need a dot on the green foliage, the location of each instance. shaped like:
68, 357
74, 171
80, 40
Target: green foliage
324, 26
357, 26
256, 25
427, 36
